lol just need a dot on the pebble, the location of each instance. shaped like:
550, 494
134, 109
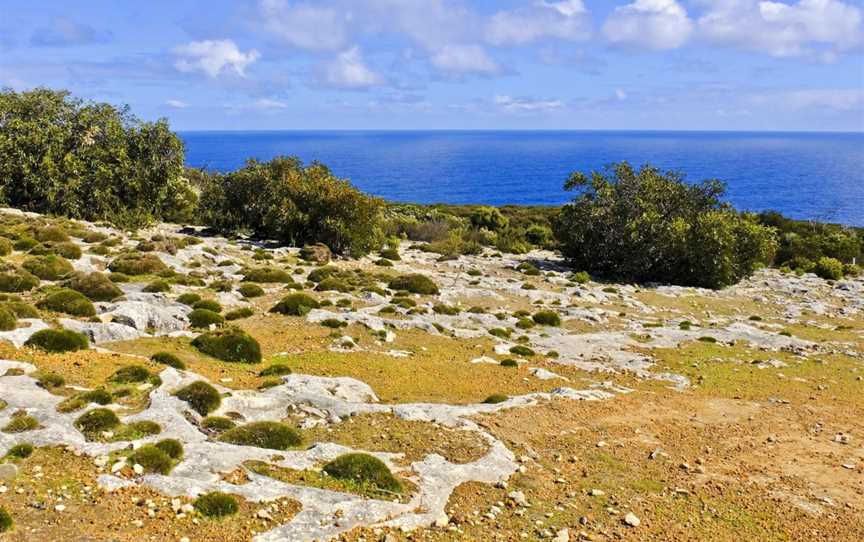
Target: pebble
8, 472
518, 497
562, 536
631, 520
60, 508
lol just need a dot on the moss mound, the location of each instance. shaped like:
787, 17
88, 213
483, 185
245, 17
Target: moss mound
237, 314
21, 424
138, 264
547, 318
216, 505
5, 246
230, 344
96, 286
20, 309
296, 305
208, 304
49, 380
157, 287
58, 340
520, 350
188, 298
201, 397
267, 274
50, 267
8, 319
130, 374
80, 400
137, 430
169, 359
217, 424
203, 318
277, 369
97, 420
414, 283
69, 302
270, 435
250, 289
171, 447
363, 469
6, 522
153, 459
20, 451
51, 233
13, 279
495, 398
509, 363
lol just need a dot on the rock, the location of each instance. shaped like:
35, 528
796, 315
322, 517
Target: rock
318, 253
596, 492
442, 521
60, 507
518, 497
8, 472
562, 536
631, 520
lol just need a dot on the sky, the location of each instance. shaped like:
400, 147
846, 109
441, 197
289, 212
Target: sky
450, 64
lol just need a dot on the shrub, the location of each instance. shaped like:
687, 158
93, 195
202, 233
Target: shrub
203, 318
547, 318
58, 340
230, 344
169, 359
829, 268
171, 447
216, 505
237, 314
489, 218
414, 283
363, 469
119, 277
49, 380
495, 398
135, 263
79, 401
50, 267
525, 323
21, 424
538, 235
96, 286
6, 522
649, 226
295, 305
270, 435
250, 290
296, 204
333, 284
319, 253
153, 459
17, 280
188, 298
208, 304
217, 424
19, 451
51, 233
333, 323
8, 319
201, 397
500, 332
69, 302
5, 247
137, 430
20, 309
580, 277
520, 350
96, 421
277, 369
390, 254
129, 374
267, 275
509, 363
157, 286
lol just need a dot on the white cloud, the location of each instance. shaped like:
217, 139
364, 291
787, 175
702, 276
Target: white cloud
307, 26
177, 104
349, 71
463, 59
620, 94
566, 20
214, 57
527, 105
825, 99
784, 30
655, 24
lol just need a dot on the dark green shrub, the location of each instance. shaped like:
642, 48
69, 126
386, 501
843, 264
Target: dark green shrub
520, 350
270, 435
171, 447
267, 275
152, 459
509, 363
203, 318
547, 318
96, 286
208, 304
157, 286
707, 339
25, 243
363, 469
495, 398
580, 277
445, 309
528, 268
685, 325
8, 319
130, 374
538, 235
137, 430
217, 424
188, 298
649, 226
135, 263
829, 268
169, 359
81, 400
489, 218
333, 323
216, 505
525, 323
21, 424
20, 451
201, 397
250, 290
237, 314
20, 309
230, 344
277, 369
6, 522
500, 332
58, 340
384, 263
50, 267
49, 380
94, 237
119, 277
69, 302
295, 305
333, 284
96, 421
414, 283
17, 280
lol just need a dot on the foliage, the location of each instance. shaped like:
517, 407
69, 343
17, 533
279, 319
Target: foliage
414, 283
829, 268
547, 318
60, 155
95, 285
277, 369
295, 305
152, 459
645, 225
171, 447
208, 304
237, 314
489, 218
8, 319
270, 435
58, 340
495, 398
201, 397
810, 240
203, 318
6, 522
283, 199
13, 279
20, 451
129, 374
169, 359
21, 424
135, 263
50, 267
250, 290
188, 298
97, 421
230, 344
216, 505
69, 302
157, 287
267, 274
363, 469
217, 424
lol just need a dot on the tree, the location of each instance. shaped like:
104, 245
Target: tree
60, 155
646, 225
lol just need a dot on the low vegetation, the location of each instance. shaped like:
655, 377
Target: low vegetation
363, 469
58, 340
201, 397
229, 344
270, 435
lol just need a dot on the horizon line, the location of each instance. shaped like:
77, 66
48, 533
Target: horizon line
516, 130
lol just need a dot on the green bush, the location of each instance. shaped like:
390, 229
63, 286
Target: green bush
216, 505
203, 318
69, 302
135, 263
201, 397
237, 314
333, 284
8, 319
509, 363
495, 398
250, 290
137, 430
547, 318
21, 424
49, 380
96, 421
445, 309
363, 469
81, 400
580, 277
208, 304
129, 374
58, 340
20, 309
50, 267
390, 254
230, 344
267, 275
157, 286
51, 233
217, 424
153, 459
295, 305
489, 218
538, 235
277, 369
67, 250
829, 268
649, 226
6, 522
17, 280
270, 435
414, 283
188, 298
19, 451
96, 286
520, 350
295, 204
5, 247
333, 323
171, 447
169, 359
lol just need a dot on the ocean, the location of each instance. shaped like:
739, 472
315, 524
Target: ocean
816, 176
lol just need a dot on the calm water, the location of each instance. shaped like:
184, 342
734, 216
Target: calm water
803, 175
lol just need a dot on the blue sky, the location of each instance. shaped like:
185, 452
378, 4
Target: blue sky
450, 64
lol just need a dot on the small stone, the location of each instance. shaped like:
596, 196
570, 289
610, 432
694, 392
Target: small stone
596, 492
562, 536
60, 508
264, 514
631, 520
518, 497
138, 468
8, 472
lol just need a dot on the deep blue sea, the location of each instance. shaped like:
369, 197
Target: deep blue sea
803, 175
